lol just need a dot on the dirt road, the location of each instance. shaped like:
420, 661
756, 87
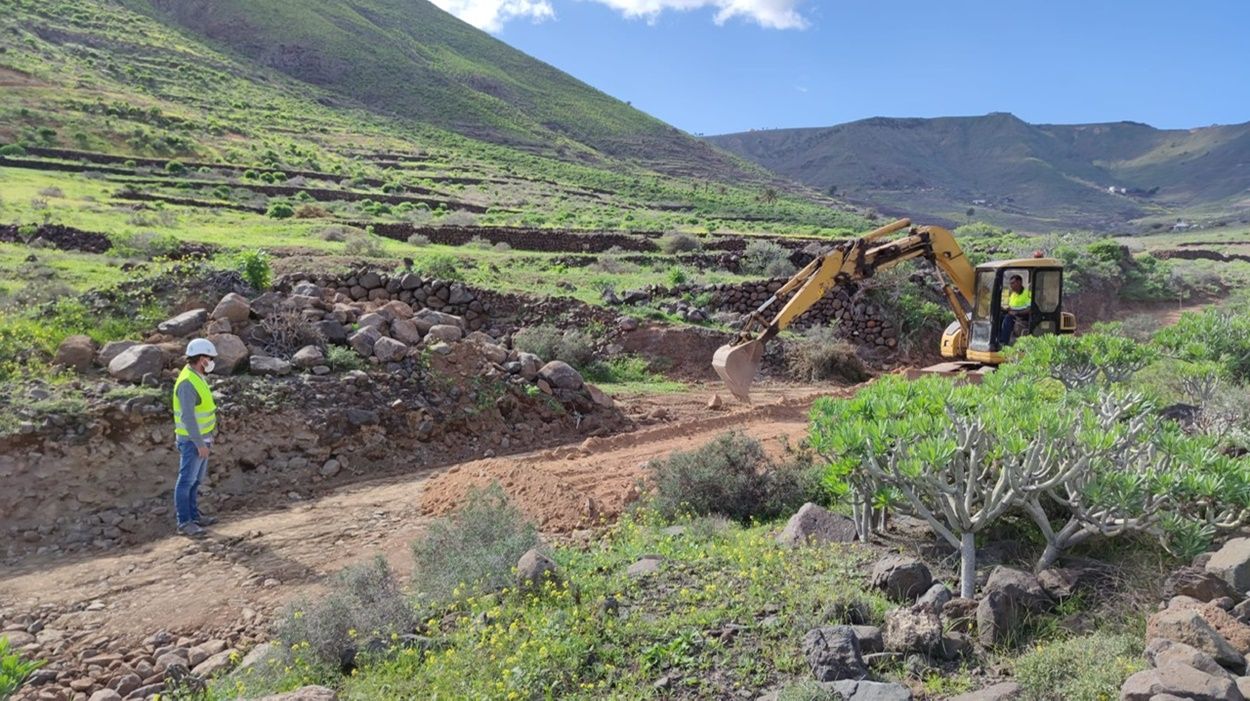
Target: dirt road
254, 562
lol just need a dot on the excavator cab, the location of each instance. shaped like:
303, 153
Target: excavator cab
1042, 278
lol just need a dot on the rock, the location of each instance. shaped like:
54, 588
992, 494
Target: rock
372, 319
75, 353
111, 349
1198, 583
1187, 626
361, 417
1020, 587
446, 333
493, 352
534, 568
851, 690
405, 331
833, 654
389, 350
715, 402
648, 565
330, 468
560, 375
901, 578
1005, 691
233, 308
266, 304
127, 683
1181, 681
428, 318
331, 330
1231, 563
1161, 652
1232, 630
1062, 582
396, 310
530, 364
626, 323
232, 353
363, 340
133, 363
935, 597
912, 630
305, 693
105, 695
815, 525
996, 618
258, 655
1243, 685
599, 397
955, 646
17, 638
308, 357
264, 365
870, 639
184, 324
214, 664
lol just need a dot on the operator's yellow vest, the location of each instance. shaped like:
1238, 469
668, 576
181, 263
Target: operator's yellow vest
1019, 300
205, 408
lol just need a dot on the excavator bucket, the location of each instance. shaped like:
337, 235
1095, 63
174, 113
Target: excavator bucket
737, 365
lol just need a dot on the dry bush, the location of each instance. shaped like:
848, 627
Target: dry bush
550, 343
614, 266
763, 257
286, 331
459, 218
311, 211
820, 355
419, 240
473, 549
679, 243
365, 246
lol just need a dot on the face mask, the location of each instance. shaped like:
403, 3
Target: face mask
208, 367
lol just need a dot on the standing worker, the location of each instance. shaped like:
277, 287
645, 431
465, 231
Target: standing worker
195, 420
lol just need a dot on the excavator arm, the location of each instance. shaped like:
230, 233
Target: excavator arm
737, 363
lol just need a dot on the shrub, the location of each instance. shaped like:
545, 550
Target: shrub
364, 245
730, 476
312, 211
285, 331
144, 244
419, 240
573, 346
12, 150
1087, 668
474, 548
1214, 335
763, 257
459, 218
339, 233
676, 276
440, 266
51, 192
254, 266
342, 359
363, 608
820, 355
679, 243
14, 671
175, 168
807, 690
280, 210
478, 242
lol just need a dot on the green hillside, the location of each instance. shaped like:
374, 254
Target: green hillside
1032, 177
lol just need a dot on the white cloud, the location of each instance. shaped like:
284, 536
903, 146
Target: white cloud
491, 15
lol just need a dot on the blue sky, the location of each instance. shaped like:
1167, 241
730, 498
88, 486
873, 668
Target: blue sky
730, 65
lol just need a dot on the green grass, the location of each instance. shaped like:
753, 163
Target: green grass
565, 641
630, 375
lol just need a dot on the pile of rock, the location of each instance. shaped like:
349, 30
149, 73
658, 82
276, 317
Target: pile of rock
1197, 646
366, 285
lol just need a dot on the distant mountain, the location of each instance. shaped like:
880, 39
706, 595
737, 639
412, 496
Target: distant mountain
1036, 177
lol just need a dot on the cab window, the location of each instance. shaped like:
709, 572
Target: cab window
1046, 290
985, 294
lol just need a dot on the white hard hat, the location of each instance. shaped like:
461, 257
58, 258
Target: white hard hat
201, 346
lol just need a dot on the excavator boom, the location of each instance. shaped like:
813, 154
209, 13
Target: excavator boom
737, 363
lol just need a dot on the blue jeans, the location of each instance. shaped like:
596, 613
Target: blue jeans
191, 472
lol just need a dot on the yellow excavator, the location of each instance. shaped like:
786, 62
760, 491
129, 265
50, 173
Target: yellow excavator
978, 296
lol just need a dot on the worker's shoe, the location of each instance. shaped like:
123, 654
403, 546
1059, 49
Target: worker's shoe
192, 529
203, 520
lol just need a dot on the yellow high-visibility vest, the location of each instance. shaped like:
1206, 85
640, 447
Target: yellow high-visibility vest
205, 408
1020, 300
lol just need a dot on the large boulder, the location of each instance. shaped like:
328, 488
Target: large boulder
916, 630
429, 317
534, 568
833, 653
1020, 587
1180, 681
389, 350
1231, 563
1161, 652
111, 350
935, 597
75, 353
1197, 583
331, 330
265, 365
859, 690
902, 578
530, 365
232, 353
996, 618
1187, 626
184, 324
405, 331
363, 340
815, 525
233, 308
133, 363
445, 332
1004, 691
308, 357
560, 375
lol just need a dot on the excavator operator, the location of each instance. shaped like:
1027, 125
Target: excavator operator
1019, 300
